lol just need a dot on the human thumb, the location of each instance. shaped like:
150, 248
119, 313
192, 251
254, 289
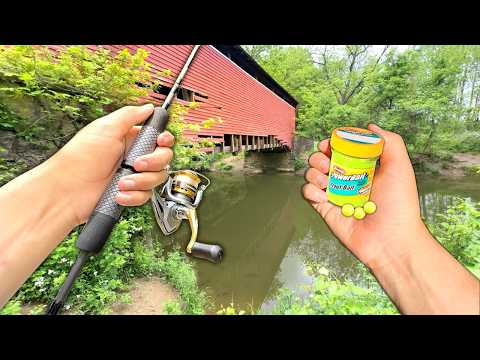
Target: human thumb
394, 149
122, 120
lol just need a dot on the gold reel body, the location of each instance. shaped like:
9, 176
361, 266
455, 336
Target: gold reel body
178, 200
186, 182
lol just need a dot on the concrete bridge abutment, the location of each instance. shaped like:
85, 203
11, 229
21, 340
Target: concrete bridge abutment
257, 162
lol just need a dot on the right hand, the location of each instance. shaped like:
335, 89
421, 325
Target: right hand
86, 164
393, 230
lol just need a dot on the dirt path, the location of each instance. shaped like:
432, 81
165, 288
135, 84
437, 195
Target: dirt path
148, 298
456, 167
467, 159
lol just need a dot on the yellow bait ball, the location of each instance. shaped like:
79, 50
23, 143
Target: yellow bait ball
347, 210
370, 207
359, 213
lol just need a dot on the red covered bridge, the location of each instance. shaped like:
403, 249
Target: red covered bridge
256, 112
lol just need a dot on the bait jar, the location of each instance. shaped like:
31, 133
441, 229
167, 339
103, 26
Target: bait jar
355, 153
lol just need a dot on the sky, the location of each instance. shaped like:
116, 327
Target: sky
375, 48
400, 48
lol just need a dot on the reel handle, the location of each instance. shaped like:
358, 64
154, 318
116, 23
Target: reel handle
213, 253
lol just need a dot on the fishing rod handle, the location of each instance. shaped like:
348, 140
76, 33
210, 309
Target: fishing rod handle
108, 211
146, 140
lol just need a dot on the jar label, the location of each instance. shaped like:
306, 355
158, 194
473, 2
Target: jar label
360, 136
347, 181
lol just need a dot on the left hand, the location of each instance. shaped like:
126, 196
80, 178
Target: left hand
83, 168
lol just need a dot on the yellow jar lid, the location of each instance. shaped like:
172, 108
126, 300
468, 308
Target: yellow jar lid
357, 142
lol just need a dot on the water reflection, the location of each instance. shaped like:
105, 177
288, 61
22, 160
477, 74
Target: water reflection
437, 195
270, 233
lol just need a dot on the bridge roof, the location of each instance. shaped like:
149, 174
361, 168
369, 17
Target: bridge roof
247, 63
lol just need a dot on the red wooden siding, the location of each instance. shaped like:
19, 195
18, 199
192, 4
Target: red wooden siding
245, 105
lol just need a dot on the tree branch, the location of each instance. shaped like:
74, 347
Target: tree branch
364, 75
327, 74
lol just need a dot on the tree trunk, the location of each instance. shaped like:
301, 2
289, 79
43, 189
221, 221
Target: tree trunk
474, 81
429, 142
462, 86
476, 111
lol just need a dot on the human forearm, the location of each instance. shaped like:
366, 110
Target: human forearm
428, 280
35, 215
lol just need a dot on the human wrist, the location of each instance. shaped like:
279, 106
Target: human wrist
425, 279
400, 269
44, 184
404, 251
35, 217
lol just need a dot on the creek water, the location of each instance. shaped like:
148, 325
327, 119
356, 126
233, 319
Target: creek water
270, 234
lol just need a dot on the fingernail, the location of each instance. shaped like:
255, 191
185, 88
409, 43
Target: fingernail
164, 136
320, 180
149, 105
141, 165
128, 183
123, 196
318, 196
375, 126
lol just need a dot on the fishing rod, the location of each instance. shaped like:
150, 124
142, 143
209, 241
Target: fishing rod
97, 230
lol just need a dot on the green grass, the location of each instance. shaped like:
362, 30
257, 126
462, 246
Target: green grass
179, 272
13, 307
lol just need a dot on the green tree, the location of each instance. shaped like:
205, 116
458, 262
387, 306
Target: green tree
258, 52
47, 97
293, 68
425, 93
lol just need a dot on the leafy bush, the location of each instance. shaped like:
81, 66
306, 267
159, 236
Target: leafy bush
329, 296
188, 154
108, 274
225, 167
173, 307
46, 97
230, 310
472, 170
9, 170
8, 119
458, 230
466, 142
75, 84
103, 276
300, 163
180, 273
13, 307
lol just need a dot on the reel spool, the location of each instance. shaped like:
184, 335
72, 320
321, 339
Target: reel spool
178, 200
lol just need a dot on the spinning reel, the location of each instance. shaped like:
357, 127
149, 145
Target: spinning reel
178, 200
